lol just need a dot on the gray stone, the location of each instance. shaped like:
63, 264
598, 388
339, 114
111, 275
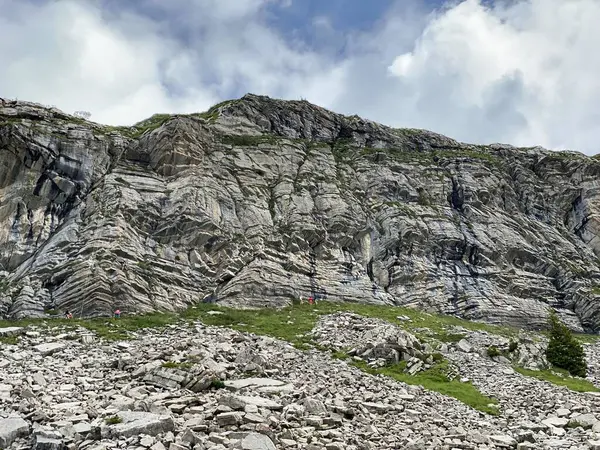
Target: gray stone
82, 428
260, 402
44, 443
464, 346
229, 418
584, 420
256, 441
255, 383
558, 422
136, 423
505, 441
11, 429
11, 331
50, 347
147, 441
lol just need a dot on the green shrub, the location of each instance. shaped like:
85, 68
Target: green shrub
512, 346
437, 357
144, 265
113, 420
177, 365
564, 350
493, 351
217, 384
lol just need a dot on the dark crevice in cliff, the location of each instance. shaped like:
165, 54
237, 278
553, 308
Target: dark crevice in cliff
457, 196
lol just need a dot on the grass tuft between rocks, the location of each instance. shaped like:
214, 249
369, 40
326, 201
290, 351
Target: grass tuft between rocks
9, 340
113, 420
177, 365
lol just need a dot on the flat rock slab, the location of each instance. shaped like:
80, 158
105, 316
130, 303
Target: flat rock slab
50, 348
257, 441
285, 388
11, 331
254, 383
44, 443
585, 420
504, 441
558, 422
136, 423
82, 428
464, 346
260, 402
11, 429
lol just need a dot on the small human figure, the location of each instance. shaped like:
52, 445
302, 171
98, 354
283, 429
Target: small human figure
68, 315
117, 313
311, 301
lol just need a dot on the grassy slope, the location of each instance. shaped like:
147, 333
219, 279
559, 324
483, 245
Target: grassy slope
560, 378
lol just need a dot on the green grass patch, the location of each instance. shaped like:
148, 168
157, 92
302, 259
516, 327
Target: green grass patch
294, 322
177, 365
213, 112
587, 338
560, 378
121, 329
448, 337
113, 420
105, 327
217, 384
9, 340
149, 124
436, 379
493, 351
290, 324
339, 354
144, 265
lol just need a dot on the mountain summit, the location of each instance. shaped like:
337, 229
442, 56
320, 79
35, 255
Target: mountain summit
259, 202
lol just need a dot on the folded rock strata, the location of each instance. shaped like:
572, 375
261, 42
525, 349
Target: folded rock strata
258, 202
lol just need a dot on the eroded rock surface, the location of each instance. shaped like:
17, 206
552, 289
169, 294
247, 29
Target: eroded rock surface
260, 201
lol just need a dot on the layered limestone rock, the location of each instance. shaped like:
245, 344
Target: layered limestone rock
259, 202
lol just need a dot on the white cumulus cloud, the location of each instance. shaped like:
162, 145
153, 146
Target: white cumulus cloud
522, 72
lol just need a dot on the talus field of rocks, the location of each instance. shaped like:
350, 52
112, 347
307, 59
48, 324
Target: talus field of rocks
191, 386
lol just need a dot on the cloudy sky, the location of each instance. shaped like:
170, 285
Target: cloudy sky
524, 72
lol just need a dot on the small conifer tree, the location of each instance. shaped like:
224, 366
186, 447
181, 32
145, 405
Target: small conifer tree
564, 350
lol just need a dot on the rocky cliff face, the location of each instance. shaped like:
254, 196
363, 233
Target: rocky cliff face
260, 201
